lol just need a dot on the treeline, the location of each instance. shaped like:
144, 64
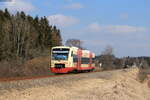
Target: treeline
108, 61
23, 37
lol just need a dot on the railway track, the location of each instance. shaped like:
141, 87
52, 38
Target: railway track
39, 77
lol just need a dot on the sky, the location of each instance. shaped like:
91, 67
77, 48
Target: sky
122, 24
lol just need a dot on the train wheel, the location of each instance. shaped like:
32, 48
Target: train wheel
75, 71
88, 70
92, 70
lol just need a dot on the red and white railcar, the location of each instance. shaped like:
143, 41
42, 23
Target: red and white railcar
68, 59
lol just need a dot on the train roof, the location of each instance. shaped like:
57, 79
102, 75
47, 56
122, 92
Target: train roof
72, 48
61, 47
65, 47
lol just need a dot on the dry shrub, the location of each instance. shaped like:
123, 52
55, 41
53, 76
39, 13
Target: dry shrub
37, 66
34, 67
11, 69
144, 75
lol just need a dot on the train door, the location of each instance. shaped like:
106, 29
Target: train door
79, 59
90, 63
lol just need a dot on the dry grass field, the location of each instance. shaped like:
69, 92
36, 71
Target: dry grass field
108, 85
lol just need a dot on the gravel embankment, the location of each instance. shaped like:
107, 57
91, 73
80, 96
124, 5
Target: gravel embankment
108, 85
24, 84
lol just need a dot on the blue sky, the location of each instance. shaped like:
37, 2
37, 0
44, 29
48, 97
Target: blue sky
122, 24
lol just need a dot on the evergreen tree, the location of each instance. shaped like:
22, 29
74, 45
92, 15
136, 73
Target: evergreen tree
22, 36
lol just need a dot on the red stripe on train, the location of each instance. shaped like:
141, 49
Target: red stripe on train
62, 70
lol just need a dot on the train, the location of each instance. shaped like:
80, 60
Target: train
66, 59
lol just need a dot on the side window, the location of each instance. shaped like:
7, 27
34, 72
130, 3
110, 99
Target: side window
75, 58
93, 60
85, 60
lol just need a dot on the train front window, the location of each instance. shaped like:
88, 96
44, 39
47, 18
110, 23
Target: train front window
60, 54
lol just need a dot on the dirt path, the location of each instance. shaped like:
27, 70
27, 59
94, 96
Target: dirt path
109, 85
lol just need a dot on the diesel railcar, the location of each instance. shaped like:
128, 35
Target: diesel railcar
69, 59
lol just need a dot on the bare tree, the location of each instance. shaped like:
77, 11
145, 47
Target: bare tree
74, 42
144, 63
107, 58
108, 50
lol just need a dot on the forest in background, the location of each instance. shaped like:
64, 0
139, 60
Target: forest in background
23, 37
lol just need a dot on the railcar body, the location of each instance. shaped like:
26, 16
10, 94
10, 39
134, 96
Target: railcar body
68, 59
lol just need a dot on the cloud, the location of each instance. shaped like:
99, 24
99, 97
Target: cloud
18, 5
74, 6
124, 29
94, 27
62, 20
124, 15
117, 29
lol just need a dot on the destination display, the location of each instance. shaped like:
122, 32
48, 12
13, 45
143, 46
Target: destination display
60, 51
